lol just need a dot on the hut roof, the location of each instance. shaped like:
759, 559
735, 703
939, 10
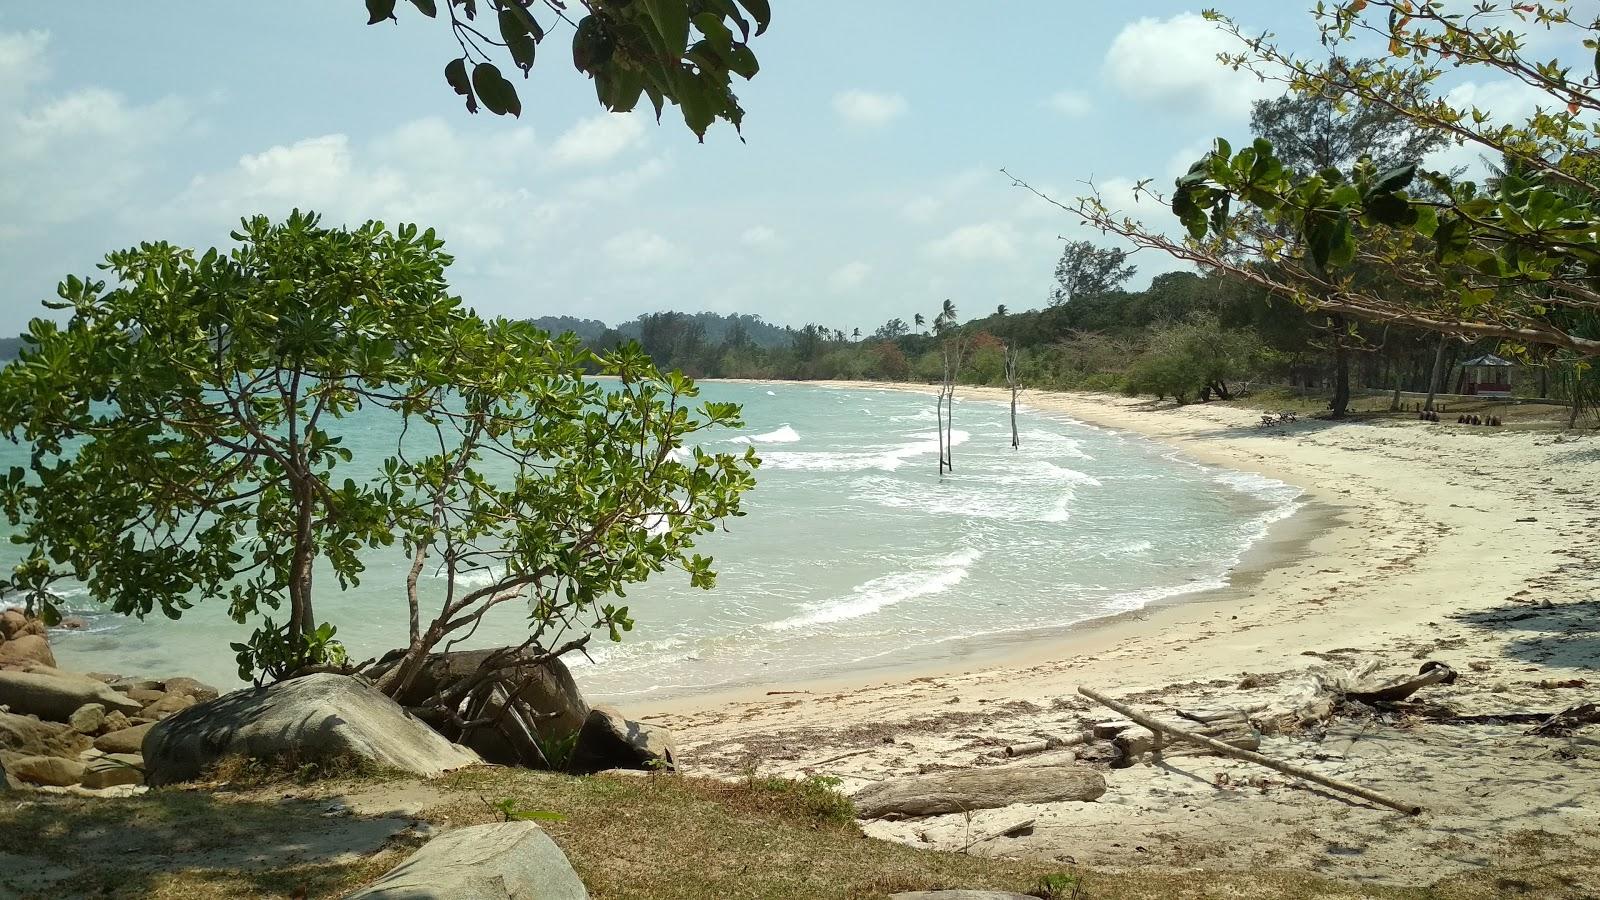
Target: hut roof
1488, 359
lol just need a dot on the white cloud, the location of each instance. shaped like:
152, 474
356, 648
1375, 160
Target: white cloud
1070, 103
849, 276
983, 241
597, 139
758, 236
22, 62
869, 108
1171, 64
640, 249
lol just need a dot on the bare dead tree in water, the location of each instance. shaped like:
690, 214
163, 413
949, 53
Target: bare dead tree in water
1011, 382
950, 356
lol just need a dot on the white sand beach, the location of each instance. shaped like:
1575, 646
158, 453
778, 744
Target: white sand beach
1472, 546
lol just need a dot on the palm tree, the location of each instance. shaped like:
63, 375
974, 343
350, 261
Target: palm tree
856, 334
949, 311
919, 320
1000, 310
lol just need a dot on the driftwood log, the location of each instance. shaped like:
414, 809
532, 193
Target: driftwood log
938, 793
1431, 673
1134, 743
1249, 755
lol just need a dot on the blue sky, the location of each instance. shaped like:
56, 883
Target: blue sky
868, 186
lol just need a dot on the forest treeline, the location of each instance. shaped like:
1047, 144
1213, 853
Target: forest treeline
1185, 336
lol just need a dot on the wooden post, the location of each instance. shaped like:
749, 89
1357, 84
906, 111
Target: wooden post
1155, 725
1011, 381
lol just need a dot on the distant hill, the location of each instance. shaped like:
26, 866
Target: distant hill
9, 347
716, 327
587, 329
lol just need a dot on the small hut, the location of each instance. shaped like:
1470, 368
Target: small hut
1485, 376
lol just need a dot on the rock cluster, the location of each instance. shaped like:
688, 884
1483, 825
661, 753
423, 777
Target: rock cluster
81, 733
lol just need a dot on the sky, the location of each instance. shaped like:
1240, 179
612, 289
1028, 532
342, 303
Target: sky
867, 186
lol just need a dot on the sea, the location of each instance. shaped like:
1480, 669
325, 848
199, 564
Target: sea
856, 557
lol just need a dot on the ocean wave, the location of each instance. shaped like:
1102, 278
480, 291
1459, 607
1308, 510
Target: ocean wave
885, 591
784, 434
977, 498
886, 460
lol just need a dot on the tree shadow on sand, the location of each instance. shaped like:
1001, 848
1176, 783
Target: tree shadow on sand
1563, 634
58, 846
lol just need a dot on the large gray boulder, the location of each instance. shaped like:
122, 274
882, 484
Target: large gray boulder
54, 695
548, 689
504, 861
316, 717
609, 740
938, 793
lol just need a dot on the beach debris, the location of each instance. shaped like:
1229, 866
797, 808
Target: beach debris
1319, 695
1250, 755
973, 789
1232, 729
1564, 722
1015, 829
1431, 673
1028, 748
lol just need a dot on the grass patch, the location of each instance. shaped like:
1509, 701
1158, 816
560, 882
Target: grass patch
246, 772
646, 837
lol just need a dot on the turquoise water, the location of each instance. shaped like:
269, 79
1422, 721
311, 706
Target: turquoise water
855, 553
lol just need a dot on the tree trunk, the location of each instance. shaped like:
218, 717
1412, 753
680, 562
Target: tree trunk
1394, 401
938, 411
1433, 377
301, 618
1011, 382
1341, 367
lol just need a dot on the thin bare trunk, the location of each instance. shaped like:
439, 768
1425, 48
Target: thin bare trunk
1433, 377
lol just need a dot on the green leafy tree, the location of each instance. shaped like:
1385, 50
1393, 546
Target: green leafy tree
187, 428
1513, 262
1085, 270
682, 51
1195, 358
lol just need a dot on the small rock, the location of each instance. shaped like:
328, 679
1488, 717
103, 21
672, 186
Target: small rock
27, 648
124, 740
190, 687
115, 721
74, 623
45, 770
167, 705
53, 695
88, 718
14, 624
113, 769
143, 695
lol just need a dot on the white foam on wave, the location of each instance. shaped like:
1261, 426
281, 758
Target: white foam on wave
783, 434
772, 393
936, 577
886, 460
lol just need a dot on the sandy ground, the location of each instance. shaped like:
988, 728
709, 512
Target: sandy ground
1473, 546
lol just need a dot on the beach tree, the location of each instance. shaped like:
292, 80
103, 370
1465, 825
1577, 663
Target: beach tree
244, 425
684, 52
1513, 260
1085, 270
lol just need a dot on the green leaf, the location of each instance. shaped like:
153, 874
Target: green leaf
521, 43
591, 46
426, 7
499, 96
1396, 179
379, 10
672, 22
761, 11
455, 74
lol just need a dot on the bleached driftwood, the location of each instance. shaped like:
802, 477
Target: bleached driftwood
1012, 830
963, 791
1249, 755
1431, 673
1136, 742
1323, 689
1028, 748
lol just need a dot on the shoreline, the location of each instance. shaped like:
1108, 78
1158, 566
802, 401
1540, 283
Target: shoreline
1423, 541
1285, 540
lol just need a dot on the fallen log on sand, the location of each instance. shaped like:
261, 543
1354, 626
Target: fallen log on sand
1431, 673
963, 791
1133, 744
1248, 755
